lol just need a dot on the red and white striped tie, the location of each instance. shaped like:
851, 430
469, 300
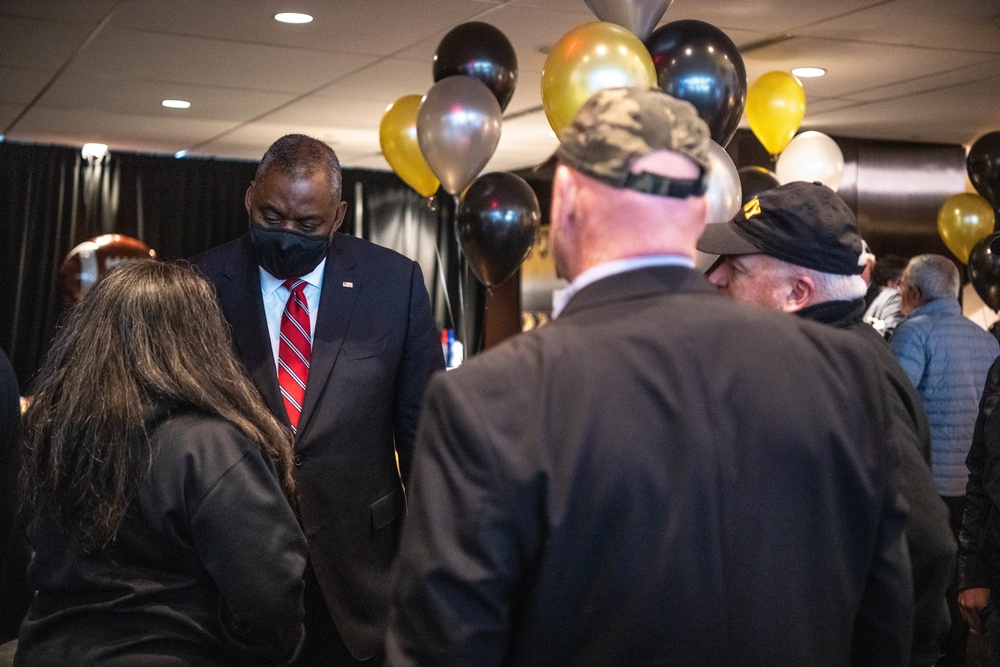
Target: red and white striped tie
294, 349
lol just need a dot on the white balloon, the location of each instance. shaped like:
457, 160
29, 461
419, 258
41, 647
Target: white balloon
723, 189
811, 156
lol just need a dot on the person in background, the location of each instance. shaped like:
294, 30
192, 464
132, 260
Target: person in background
947, 357
979, 540
882, 300
796, 249
155, 489
618, 487
340, 340
14, 595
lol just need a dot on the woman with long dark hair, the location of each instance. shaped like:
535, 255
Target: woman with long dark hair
155, 488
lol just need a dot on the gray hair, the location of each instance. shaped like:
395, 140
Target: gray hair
827, 286
935, 276
299, 156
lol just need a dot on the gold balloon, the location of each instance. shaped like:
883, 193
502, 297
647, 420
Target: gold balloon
776, 104
398, 135
964, 220
587, 59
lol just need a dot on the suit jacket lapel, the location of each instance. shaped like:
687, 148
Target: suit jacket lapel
243, 305
341, 285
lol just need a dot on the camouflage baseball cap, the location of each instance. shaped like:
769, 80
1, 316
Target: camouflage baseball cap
617, 126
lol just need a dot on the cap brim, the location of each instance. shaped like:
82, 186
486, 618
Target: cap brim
720, 238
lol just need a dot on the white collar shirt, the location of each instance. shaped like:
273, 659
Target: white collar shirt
275, 296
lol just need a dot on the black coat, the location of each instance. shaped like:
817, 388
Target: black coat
659, 476
14, 593
979, 552
928, 535
206, 568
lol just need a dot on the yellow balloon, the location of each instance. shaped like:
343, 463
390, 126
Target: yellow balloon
398, 135
776, 104
964, 220
587, 59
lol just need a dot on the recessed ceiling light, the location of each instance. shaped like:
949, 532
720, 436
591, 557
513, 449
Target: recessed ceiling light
808, 72
180, 154
292, 17
176, 104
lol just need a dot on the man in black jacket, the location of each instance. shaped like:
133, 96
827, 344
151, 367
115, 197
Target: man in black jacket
617, 487
979, 541
796, 248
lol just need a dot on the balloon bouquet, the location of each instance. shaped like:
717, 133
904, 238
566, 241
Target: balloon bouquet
690, 60
446, 137
776, 105
979, 212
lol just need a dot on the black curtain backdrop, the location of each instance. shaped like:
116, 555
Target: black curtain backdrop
52, 199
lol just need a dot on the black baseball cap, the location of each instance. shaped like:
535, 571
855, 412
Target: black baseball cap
805, 224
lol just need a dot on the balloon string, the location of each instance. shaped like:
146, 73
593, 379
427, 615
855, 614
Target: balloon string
482, 330
462, 275
444, 282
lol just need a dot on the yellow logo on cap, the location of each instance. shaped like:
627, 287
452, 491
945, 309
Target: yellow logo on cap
751, 208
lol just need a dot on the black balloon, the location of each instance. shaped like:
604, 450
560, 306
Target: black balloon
481, 51
983, 165
984, 270
697, 62
497, 222
754, 180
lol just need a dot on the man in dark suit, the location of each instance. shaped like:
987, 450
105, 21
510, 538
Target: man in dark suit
661, 475
338, 335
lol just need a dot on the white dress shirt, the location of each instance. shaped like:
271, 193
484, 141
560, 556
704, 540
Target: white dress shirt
275, 296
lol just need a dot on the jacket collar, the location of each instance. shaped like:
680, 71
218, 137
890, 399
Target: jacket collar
637, 284
938, 307
840, 314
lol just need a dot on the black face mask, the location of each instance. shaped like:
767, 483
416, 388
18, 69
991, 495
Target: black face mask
287, 254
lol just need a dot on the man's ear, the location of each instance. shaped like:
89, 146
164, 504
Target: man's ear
248, 197
563, 197
800, 295
341, 211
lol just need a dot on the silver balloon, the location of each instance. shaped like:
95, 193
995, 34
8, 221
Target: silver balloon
639, 16
458, 127
723, 190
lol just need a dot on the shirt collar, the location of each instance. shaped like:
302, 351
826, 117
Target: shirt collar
269, 284
561, 297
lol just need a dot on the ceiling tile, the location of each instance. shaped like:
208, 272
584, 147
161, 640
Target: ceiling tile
36, 44
197, 60
150, 134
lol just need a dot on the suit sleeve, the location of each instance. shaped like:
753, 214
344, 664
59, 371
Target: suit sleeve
422, 357
250, 543
464, 541
972, 568
930, 545
883, 628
